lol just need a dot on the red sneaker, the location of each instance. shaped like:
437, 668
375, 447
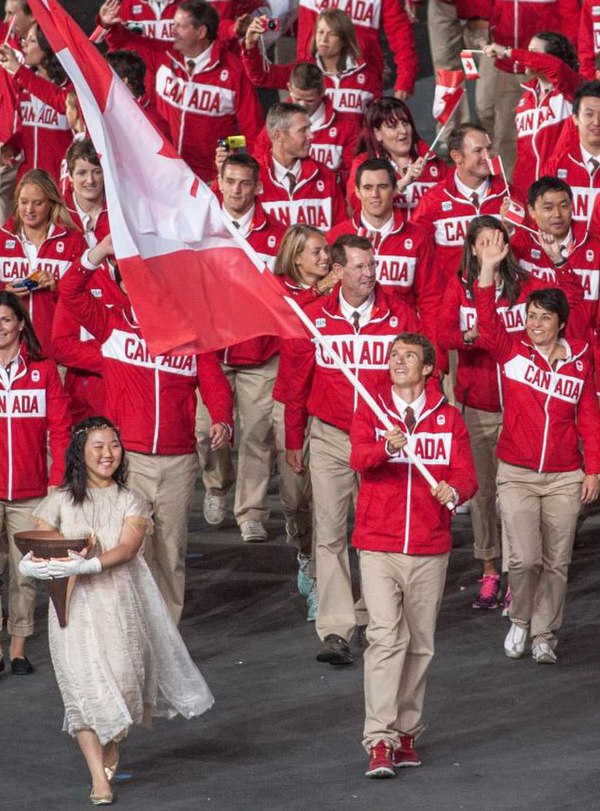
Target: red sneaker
405, 754
380, 761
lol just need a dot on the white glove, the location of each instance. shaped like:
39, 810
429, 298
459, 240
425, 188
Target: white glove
33, 568
76, 564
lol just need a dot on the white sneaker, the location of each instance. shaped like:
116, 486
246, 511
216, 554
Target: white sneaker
514, 644
214, 508
543, 654
253, 531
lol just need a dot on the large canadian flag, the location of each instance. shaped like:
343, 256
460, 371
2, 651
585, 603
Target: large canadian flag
195, 285
449, 89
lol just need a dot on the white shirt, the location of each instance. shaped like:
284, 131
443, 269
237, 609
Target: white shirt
385, 229
364, 310
588, 158
89, 223
401, 405
481, 191
31, 249
200, 61
244, 221
281, 172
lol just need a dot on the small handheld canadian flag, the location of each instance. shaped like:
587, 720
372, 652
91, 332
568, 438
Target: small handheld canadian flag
515, 213
469, 65
449, 89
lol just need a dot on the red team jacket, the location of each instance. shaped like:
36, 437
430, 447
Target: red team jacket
151, 399
33, 414
477, 376
540, 118
449, 214
216, 102
316, 200
395, 511
547, 411
368, 17
584, 261
405, 266
45, 135
314, 385
56, 254
569, 166
349, 91
588, 40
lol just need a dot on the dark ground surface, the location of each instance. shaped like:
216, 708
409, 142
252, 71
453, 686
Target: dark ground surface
285, 730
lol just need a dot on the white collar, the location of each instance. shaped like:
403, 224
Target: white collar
385, 229
364, 310
9, 372
401, 405
351, 64
481, 191
200, 61
587, 157
244, 221
281, 171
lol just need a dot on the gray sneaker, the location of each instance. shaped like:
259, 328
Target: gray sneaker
214, 508
543, 654
253, 531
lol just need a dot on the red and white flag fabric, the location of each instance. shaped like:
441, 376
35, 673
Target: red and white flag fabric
469, 65
515, 213
449, 89
190, 278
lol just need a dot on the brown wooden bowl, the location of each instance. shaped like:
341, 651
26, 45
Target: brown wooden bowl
46, 543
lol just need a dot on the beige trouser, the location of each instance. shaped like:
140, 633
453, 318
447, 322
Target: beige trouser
15, 516
294, 491
539, 518
484, 427
167, 482
253, 396
403, 594
217, 469
335, 486
8, 179
497, 115
447, 37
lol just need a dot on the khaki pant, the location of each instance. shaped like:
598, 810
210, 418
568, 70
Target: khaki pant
448, 36
403, 594
16, 516
8, 179
167, 482
539, 518
335, 486
217, 469
484, 427
498, 113
294, 491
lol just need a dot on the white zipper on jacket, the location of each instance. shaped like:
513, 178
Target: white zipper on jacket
156, 408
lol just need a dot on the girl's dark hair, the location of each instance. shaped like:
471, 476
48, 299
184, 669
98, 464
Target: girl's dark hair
75, 478
558, 45
50, 62
386, 110
511, 274
28, 336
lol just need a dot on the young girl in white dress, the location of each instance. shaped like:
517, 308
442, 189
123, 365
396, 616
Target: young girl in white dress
120, 659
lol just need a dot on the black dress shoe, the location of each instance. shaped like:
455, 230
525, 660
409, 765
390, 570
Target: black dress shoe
2, 664
335, 650
21, 667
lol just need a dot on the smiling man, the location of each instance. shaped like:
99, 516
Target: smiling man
201, 89
360, 322
403, 532
563, 243
466, 192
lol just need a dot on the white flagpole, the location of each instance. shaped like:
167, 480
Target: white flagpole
362, 391
11, 25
